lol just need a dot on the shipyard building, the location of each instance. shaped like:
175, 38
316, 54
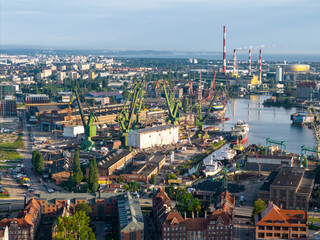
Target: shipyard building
154, 136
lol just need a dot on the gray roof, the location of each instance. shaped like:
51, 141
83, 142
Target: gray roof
155, 129
113, 158
130, 214
90, 197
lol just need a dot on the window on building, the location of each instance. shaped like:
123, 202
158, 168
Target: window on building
269, 228
303, 229
261, 227
285, 228
260, 235
294, 235
277, 228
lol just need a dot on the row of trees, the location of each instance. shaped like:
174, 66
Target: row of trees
37, 161
77, 226
77, 176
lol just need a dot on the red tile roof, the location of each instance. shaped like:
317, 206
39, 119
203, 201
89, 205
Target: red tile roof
26, 218
274, 216
173, 218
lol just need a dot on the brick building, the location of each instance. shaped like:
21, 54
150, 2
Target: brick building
109, 165
25, 226
161, 206
61, 170
289, 188
276, 223
102, 204
217, 225
8, 108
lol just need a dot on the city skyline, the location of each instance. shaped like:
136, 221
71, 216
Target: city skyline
283, 26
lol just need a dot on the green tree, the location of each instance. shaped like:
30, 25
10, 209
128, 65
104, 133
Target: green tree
39, 162
93, 176
77, 172
74, 228
70, 183
112, 100
33, 158
258, 207
171, 176
185, 103
84, 207
95, 183
125, 94
120, 180
153, 179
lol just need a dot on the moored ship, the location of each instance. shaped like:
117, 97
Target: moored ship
239, 133
300, 118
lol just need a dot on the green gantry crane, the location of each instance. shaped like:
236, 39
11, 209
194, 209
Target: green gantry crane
174, 105
132, 106
304, 150
282, 144
90, 130
200, 120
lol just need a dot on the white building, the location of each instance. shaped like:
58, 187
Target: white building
84, 67
61, 76
154, 136
72, 131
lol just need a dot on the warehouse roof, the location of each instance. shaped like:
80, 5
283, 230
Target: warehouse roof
113, 158
155, 129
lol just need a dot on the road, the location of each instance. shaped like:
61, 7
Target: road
243, 229
100, 233
27, 153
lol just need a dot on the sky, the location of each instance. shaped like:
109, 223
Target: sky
276, 26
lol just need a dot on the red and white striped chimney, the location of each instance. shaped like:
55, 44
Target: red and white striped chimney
234, 60
224, 50
260, 65
249, 61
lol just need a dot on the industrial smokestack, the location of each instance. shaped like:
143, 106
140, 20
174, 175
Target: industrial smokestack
224, 50
260, 66
234, 60
249, 61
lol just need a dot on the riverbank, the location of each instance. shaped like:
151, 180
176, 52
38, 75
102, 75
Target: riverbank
199, 158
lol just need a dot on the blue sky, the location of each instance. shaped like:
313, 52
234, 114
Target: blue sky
278, 26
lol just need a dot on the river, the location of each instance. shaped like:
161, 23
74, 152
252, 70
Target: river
267, 122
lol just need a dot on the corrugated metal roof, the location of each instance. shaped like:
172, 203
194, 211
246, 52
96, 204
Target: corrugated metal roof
155, 129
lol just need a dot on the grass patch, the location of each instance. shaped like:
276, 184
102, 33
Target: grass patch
8, 150
4, 195
314, 219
